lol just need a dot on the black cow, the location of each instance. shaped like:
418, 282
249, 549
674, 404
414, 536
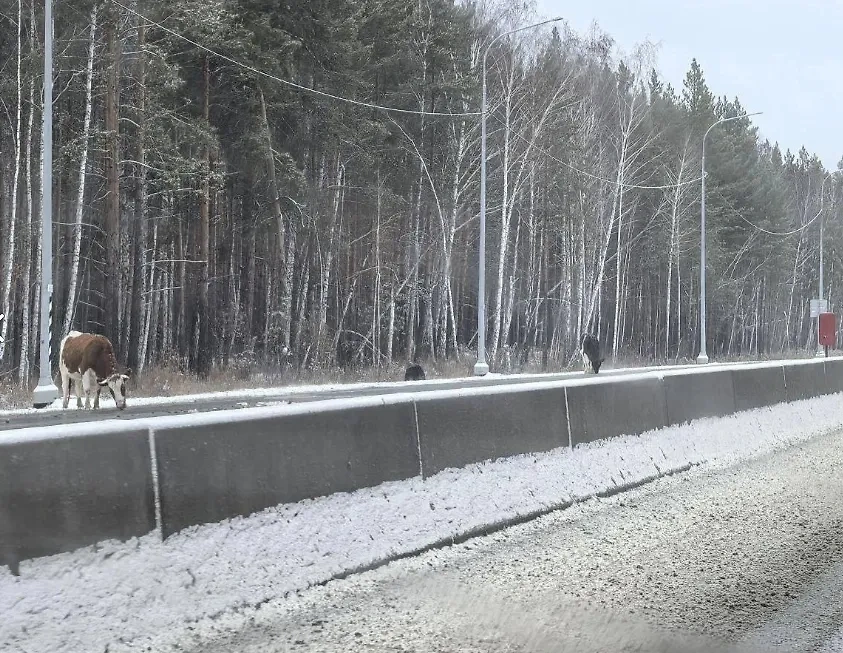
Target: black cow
591, 355
414, 373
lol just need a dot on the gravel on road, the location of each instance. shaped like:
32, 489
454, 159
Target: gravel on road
744, 558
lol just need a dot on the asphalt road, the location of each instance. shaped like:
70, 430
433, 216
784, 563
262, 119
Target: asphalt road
743, 559
244, 400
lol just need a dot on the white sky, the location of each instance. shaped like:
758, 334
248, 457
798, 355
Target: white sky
782, 58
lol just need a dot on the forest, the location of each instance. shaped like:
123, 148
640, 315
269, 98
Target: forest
295, 186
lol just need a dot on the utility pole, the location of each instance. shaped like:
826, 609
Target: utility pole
702, 359
481, 367
46, 391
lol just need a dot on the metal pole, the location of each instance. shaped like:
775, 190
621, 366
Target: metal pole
46, 392
481, 367
703, 357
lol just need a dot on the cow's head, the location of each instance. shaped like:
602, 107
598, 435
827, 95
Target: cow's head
595, 365
116, 384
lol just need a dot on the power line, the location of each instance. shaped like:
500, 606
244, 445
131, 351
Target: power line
781, 233
287, 82
597, 177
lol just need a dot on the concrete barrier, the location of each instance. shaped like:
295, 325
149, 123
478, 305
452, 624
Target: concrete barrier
607, 409
58, 493
834, 374
62, 488
211, 472
756, 387
455, 431
805, 379
703, 393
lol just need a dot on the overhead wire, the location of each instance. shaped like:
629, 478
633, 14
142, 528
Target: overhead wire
798, 229
287, 82
780, 233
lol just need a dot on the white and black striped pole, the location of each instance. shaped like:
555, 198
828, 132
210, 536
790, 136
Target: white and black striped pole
46, 391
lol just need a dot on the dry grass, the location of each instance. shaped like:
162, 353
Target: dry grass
164, 381
171, 380
13, 396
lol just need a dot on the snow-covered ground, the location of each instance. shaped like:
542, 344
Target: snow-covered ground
144, 592
106, 400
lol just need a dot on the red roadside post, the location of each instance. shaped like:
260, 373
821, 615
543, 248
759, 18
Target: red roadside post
828, 331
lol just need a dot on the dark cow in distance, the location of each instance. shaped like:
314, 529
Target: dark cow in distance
414, 373
88, 361
591, 355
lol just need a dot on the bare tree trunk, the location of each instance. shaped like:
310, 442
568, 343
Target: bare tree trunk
26, 257
183, 331
13, 198
679, 329
112, 200
83, 167
582, 323
390, 332
510, 295
158, 300
304, 291
325, 280
427, 337
619, 256
268, 292
505, 216
234, 289
204, 353
140, 286
376, 303
461, 140
149, 301
287, 285
670, 259
793, 288
413, 264
280, 232
35, 333
673, 254
251, 289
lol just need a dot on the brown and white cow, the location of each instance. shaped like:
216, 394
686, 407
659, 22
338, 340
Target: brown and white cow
88, 360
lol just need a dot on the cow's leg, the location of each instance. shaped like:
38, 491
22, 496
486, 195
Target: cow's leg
88, 389
65, 390
585, 362
78, 387
97, 397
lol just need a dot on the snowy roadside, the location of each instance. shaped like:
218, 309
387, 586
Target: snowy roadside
144, 591
106, 401
291, 391
468, 382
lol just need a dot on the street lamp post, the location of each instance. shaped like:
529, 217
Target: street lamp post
703, 357
481, 367
46, 390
